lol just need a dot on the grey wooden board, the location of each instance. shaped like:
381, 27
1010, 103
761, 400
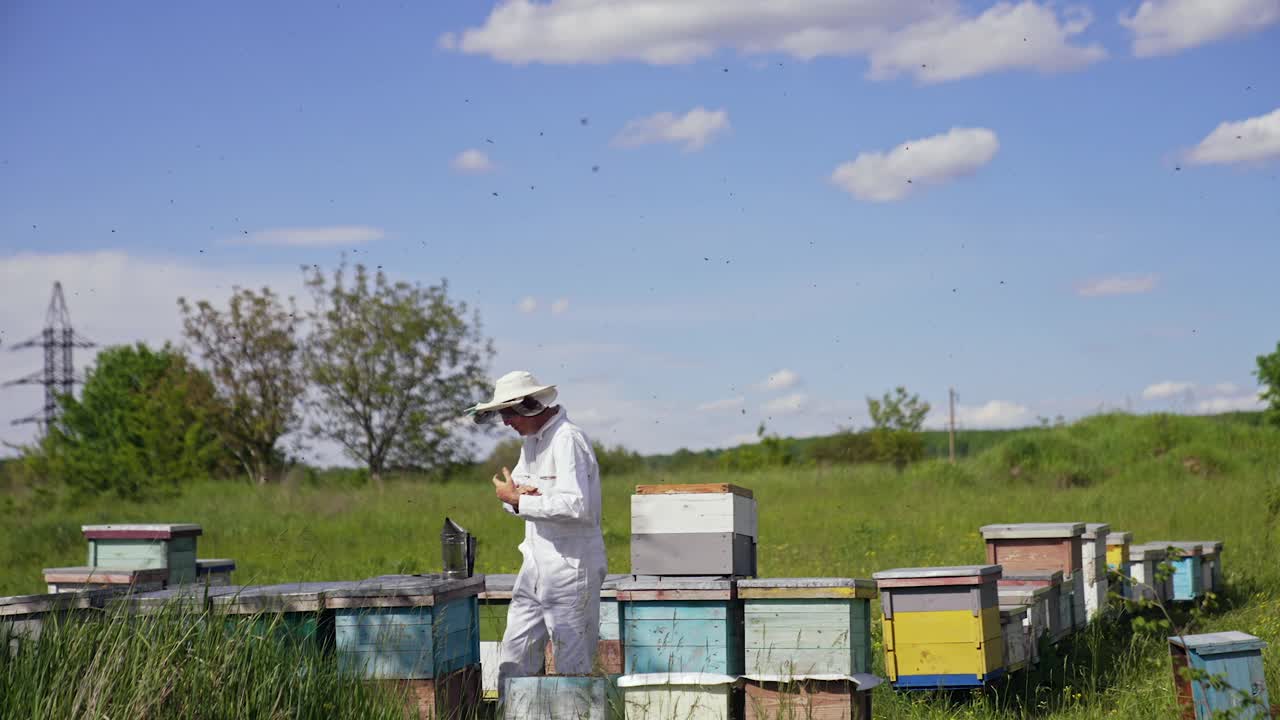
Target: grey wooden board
1187, 548
21, 605
1219, 642
1148, 551
186, 596
938, 572
1093, 530
931, 600
806, 582
557, 697
677, 583
391, 586
1210, 546
292, 597
498, 587
173, 528
1020, 531
693, 554
1053, 576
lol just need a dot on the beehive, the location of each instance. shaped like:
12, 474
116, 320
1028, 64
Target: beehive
1043, 617
687, 696
292, 613
1042, 546
823, 697
192, 599
492, 606
1187, 578
707, 529
1235, 657
1211, 566
1143, 561
171, 546
71, 579
559, 697
215, 572
681, 625
1118, 560
22, 617
1058, 601
1017, 638
807, 626
941, 626
419, 633
1093, 552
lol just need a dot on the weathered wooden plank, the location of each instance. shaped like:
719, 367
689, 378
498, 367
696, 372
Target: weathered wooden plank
693, 488
557, 697
680, 633
807, 699
797, 662
455, 696
693, 513
705, 697
152, 531
816, 588
678, 610
692, 554
1018, 531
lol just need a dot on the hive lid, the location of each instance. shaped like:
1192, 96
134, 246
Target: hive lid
283, 597
1023, 591
1021, 531
1208, 547
671, 488
12, 605
938, 572
1092, 531
87, 574
696, 679
1219, 642
1148, 551
147, 531
675, 582
498, 587
861, 681
1188, 549
402, 590
813, 587
187, 597
1119, 537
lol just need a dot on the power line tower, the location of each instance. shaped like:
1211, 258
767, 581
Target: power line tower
57, 339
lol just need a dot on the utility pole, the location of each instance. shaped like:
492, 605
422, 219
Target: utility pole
951, 398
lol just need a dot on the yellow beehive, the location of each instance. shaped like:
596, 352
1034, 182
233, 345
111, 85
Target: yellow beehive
941, 626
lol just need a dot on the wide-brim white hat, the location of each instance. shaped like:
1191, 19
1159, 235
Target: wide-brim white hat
511, 389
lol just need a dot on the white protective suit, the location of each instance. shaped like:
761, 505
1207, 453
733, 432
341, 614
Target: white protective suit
557, 591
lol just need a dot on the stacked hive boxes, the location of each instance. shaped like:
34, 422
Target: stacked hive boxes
419, 633
1093, 553
1017, 637
693, 530
1042, 618
942, 626
71, 579
1231, 656
142, 557
1042, 546
1056, 598
808, 647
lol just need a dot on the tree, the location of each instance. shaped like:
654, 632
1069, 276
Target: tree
252, 353
145, 421
897, 419
394, 365
1268, 374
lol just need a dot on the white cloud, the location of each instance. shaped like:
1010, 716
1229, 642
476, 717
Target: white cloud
787, 404
992, 414
313, 236
780, 380
933, 41
527, 305
1161, 27
732, 403
1252, 140
597, 420
1004, 37
472, 161
560, 306
1226, 388
884, 177
1168, 389
694, 129
1118, 285
1230, 404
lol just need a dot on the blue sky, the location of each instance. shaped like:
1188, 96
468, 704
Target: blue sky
1091, 218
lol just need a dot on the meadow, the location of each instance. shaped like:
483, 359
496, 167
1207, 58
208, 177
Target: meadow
1160, 477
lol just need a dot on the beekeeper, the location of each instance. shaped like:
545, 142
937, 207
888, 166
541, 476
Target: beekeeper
555, 487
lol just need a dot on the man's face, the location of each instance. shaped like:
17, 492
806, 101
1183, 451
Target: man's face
522, 425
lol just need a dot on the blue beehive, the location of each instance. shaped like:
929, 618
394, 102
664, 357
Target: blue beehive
681, 625
1188, 580
1233, 656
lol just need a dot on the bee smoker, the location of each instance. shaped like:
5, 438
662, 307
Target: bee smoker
458, 549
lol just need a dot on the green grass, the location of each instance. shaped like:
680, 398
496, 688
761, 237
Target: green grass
1160, 477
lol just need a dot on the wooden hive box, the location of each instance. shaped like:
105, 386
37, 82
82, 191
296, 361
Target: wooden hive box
707, 529
681, 625
190, 599
1043, 617
1058, 602
71, 579
215, 572
418, 633
171, 546
1210, 565
686, 696
1035, 546
1017, 638
22, 617
807, 626
1094, 554
1187, 575
822, 697
292, 613
941, 626
560, 697
1143, 561
1233, 656
1118, 542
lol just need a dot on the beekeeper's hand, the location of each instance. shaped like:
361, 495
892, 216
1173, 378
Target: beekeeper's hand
507, 490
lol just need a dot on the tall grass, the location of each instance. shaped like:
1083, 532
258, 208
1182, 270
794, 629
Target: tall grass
1160, 477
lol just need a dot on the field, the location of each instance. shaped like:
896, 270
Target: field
1160, 477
